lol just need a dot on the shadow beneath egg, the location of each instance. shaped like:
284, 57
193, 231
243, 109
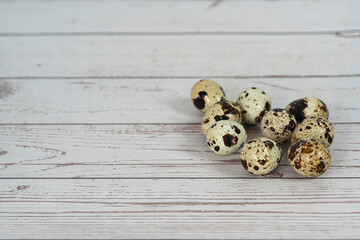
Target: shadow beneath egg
184, 107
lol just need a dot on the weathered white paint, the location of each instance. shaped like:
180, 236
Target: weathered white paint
178, 16
161, 179
156, 100
138, 151
158, 55
184, 208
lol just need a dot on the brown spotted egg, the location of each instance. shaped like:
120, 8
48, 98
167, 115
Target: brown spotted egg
278, 125
310, 157
225, 137
206, 93
314, 127
308, 107
260, 155
223, 110
254, 103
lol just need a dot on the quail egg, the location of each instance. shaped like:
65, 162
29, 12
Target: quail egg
206, 93
278, 125
223, 110
310, 157
254, 103
308, 107
225, 137
260, 155
315, 127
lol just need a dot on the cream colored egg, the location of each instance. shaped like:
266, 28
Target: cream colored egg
310, 157
223, 110
260, 155
316, 128
308, 107
254, 104
225, 137
278, 125
206, 93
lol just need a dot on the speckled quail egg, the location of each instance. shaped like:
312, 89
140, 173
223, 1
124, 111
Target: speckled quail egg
260, 155
308, 107
278, 125
225, 137
223, 110
314, 127
254, 103
310, 157
206, 93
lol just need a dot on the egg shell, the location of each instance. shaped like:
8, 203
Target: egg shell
314, 128
225, 137
278, 125
223, 110
206, 93
310, 157
308, 107
260, 155
254, 104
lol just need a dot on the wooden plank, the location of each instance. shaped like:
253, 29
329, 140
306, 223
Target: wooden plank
156, 100
143, 151
213, 209
177, 16
135, 56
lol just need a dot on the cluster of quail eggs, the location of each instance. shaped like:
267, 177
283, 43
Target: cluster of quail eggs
304, 122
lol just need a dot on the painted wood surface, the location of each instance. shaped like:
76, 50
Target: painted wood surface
185, 208
144, 151
158, 100
113, 16
99, 139
158, 55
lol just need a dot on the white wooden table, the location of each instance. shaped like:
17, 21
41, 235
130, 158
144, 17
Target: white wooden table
99, 139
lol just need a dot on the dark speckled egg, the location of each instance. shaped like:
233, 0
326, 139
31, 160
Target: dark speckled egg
316, 128
206, 93
309, 157
308, 107
225, 137
278, 125
260, 156
254, 103
223, 110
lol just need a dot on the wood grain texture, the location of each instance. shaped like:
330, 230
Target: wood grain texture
99, 139
159, 100
158, 55
143, 151
212, 209
177, 16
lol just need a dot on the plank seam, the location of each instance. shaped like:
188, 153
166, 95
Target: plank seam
143, 164
175, 77
172, 178
153, 0
338, 33
122, 124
